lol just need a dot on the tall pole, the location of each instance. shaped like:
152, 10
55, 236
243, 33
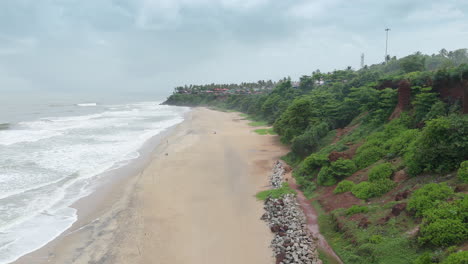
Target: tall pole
386, 44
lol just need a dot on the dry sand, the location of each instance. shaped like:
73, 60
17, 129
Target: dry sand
194, 205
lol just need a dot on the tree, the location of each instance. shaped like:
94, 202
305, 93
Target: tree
295, 119
412, 63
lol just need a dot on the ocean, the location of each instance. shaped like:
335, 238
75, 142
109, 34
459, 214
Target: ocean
52, 154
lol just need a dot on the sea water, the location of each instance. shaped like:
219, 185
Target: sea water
52, 155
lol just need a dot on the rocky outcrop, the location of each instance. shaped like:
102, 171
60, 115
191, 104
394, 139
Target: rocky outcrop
292, 243
276, 178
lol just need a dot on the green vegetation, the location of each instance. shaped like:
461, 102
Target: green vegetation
457, 258
348, 127
356, 209
463, 171
441, 147
276, 193
337, 170
258, 123
428, 196
381, 172
366, 190
265, 131
344, 186
445, 224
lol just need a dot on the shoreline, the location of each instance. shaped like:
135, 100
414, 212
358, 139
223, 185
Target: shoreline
112, 225
106, 190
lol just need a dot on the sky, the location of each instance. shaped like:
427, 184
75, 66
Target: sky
151, 46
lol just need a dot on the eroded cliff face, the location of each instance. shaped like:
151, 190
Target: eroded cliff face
449, 92
453, 88
455, 91
404, 95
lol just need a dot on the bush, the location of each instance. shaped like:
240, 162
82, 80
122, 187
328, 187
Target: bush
457, 258
428, 196
356, 209
342, 168
312, 164
381, 187
366, 156
344, 186
399, 145
444, 224
325, 177
425, 258
362, 190
381, 172
463, 171
443, 232
457, 209
366, 190
441, 146
337, 170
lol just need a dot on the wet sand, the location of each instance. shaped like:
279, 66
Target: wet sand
192, 203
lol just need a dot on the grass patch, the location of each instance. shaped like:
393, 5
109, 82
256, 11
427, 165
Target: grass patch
325, 258
265, 131
258, 123
275, 193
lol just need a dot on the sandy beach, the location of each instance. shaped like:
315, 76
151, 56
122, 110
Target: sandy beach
192, 202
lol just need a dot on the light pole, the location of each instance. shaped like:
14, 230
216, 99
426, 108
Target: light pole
386, 44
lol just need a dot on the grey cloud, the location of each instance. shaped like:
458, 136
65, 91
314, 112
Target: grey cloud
152, 45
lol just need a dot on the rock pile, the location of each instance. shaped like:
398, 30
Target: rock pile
292, 242
276, 178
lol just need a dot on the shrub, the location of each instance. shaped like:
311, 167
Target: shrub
457, 258
375, 239
457, 209
325, 177
444, 224
337, 170
441, 146
342, 168
399, 145
344, 186
428, 196
463, 171
443, 232
366, 190
381, 172
356, 209
368, 155
312, 163
381, 187
362, 190
425, 258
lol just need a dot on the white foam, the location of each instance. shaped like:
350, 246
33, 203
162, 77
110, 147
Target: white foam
9, 137
87, 104
47, 164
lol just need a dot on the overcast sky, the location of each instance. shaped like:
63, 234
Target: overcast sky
154, 45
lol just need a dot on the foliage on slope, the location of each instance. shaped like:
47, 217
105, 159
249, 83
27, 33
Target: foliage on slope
428, 142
